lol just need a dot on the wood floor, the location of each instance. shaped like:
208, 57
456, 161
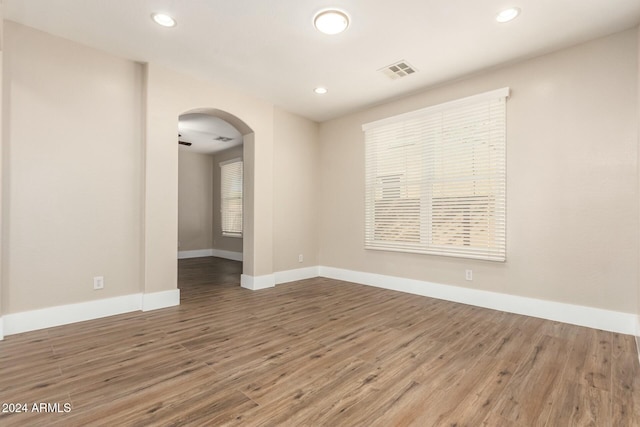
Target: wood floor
318, 352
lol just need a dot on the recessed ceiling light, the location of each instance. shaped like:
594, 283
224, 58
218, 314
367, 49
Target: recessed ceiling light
163, 19
331, 21
320, 90
507, 14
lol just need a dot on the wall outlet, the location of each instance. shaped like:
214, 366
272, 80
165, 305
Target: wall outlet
300, 258
468, 274
98, 282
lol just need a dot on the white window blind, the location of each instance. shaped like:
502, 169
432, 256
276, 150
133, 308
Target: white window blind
231, 194
436, 179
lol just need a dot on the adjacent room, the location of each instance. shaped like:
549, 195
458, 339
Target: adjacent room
320, 213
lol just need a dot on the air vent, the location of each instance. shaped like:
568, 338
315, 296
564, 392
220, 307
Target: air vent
188, 144
223, 139
398, 70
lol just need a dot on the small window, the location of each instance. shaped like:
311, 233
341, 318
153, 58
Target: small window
231, 195
436, 179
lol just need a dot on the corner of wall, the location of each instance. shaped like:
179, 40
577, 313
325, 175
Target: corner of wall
255, 283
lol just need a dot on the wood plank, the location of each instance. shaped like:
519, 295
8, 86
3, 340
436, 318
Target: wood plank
529, 395
581, 405
590, 358
319, 352
625, 382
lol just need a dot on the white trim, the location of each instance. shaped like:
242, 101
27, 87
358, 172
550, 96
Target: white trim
597, 318
201, 253
163, 299
32, 320
232, 235
498, 93
198, 253
257, 282
25, 321
234, 256
297, 274
607, 320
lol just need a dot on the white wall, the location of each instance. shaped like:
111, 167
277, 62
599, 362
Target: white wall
73, 172
195, 200
572, 173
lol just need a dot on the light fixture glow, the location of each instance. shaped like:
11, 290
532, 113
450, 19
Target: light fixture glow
331, 21
163, 19
507, 14
320, 90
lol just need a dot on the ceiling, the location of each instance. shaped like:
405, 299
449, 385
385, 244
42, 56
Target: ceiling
207, 134
270, 49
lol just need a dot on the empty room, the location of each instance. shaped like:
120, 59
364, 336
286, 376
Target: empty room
314, 213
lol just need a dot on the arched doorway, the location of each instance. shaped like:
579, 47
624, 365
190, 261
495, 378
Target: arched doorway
220, 136
169, 95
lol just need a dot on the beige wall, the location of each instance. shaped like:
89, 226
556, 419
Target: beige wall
3, 166
221, 242
73, 172
296, 187
78, 202
83, 195
638, 106
572, 168
195, 200
170, 94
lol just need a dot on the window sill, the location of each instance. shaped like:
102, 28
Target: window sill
233, 235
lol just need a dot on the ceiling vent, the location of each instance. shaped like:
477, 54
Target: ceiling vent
223, 139
398, 70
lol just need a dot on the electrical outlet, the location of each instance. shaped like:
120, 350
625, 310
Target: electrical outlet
98, 282
300, 258
468, 274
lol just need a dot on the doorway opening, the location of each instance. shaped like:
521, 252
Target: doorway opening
211, 198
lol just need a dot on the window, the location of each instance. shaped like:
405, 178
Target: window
231, 194
436, 179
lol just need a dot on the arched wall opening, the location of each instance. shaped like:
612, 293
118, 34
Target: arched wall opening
169, 94
211, 138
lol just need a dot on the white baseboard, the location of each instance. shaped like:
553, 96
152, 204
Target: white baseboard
234, 256
201, 253
297, 274
257, 282
597, 318
271, 280
198, 253
16, 323
614, 321
157, 300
